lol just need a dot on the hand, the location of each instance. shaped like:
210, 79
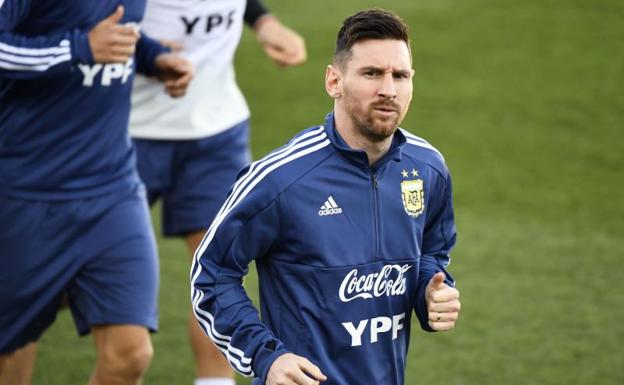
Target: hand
290, 369
112, 42
442, 303
175, 71
281, 44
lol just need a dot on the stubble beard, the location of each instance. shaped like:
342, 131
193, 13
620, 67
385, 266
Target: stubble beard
374, 128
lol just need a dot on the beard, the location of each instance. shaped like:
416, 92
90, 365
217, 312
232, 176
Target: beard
369, 121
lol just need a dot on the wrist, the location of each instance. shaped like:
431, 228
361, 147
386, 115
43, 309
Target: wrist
263, 20
81, 50
266, 355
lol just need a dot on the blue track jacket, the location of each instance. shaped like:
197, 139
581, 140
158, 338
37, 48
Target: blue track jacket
63, 118
343, 250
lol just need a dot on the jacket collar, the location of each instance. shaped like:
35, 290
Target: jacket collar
359, 157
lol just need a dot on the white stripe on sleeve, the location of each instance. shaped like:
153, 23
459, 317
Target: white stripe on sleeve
257, 171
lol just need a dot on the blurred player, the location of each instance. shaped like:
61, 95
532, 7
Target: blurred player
190, 150
72, 207
350, 224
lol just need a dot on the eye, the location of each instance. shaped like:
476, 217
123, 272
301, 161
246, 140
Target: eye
400, 75
371, 72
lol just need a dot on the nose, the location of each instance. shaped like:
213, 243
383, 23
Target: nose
387, 88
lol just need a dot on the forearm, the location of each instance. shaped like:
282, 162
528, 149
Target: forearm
438, 239
147, 50
231, 321
24, 57
31, 57
220, 302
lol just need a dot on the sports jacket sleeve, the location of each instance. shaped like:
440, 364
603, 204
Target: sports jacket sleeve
147, 49
438, 239
253, 11
245, 229
24, 57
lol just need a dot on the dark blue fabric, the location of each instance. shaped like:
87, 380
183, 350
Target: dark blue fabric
63, 126
100, 251
343, 253
192, 177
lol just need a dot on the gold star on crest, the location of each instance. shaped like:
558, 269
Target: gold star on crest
414, 172
404, 173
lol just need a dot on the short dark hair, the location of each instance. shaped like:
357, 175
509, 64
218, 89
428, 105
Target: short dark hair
375, 24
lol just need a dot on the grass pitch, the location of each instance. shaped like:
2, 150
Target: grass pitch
525, 100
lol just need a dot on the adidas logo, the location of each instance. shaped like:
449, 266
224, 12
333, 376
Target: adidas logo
329, 207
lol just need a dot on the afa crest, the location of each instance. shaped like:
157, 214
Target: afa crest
413, 195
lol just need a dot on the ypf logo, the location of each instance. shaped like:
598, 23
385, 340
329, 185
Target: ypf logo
377, 326
106, 73
209, 22
390, 280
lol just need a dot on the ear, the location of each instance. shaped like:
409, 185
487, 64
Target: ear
333, 81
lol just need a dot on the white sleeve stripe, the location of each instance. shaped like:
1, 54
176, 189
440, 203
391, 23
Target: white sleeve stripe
38, 68
424, 145
218, 338
241, 183
209, 321
412, 136
251, 172
241, 365
418, 141
255, 168
62, 48
226, 208
31, 60
285, 156
210, 234
297, 143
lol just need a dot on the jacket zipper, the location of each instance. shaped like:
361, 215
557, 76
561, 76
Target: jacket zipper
375, 187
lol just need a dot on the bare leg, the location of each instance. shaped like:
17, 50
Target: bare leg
209, 362
17, 368
124, 353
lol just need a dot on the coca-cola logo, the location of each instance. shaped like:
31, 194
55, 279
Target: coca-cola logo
390, 280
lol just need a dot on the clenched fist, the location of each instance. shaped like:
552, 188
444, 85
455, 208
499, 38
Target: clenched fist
112, 42
442, 303
175, 71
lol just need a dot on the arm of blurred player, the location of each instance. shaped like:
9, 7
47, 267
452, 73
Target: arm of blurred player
111, 42
175, 72
156, 58
281, 44
23, 57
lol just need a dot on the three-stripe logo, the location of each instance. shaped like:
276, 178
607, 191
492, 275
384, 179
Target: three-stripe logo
329, 207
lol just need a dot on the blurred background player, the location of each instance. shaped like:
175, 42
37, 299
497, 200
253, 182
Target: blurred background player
72, 207
191, 149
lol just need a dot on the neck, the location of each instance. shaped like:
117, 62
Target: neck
374, 149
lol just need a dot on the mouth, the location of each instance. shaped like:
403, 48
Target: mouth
386, 108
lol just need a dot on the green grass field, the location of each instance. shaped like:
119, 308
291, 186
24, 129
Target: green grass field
525, 100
